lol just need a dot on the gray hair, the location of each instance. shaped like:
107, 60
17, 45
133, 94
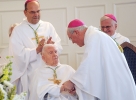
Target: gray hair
80, 28
105, 17
47, 46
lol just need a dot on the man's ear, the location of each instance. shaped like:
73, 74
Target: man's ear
77, 32
42, 57
116, 26
25, 12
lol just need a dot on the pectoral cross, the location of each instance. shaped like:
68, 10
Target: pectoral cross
55, 79
36, 35
38, 38
120, 48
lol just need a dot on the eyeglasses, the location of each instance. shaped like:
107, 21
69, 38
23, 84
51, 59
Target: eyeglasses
107, 27
70, 38
33, 12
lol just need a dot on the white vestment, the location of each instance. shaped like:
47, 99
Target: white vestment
23, 48
40, 85
120, 38
104, 72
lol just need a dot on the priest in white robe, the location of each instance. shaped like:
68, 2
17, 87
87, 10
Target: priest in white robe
26, 43
47, 80
120, 38
103, 73
109, 25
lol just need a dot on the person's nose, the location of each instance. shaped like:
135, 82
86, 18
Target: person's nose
104, 29
73, 42
55, 53
36, 14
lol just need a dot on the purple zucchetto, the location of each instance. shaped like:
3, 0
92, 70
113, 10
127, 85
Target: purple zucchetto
111, 16
29, 1
75, 23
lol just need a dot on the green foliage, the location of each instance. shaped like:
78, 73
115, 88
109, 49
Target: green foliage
7, 71
7, 92
1, 95
11, 93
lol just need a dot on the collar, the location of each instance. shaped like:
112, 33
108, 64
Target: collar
33, 25
116, 35
58, 65
90, 30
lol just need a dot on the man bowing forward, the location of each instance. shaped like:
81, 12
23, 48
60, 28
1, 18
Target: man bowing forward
103, 73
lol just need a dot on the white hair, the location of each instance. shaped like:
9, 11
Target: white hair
47, 46
80, 28
105, 17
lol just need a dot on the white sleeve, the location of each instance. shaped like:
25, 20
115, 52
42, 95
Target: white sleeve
44, 88
54, 91
33, 55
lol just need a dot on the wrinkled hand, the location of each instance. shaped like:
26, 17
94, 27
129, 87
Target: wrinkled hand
68, 86
49, 41
73, 92
62, 89
40, 46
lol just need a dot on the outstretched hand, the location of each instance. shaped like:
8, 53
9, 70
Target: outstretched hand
40, 46
49, 41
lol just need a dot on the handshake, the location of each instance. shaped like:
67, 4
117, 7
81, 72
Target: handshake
69, 87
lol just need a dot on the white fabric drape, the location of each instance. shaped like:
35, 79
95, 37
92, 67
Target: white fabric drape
120, 38
40, 85
104, 72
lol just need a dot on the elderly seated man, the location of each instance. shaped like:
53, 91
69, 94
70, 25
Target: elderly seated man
47, 81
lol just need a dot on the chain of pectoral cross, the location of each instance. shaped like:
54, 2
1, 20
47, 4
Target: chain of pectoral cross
36, 34
120, 48
54, 76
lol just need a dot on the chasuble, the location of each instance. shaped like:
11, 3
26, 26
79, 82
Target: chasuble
103, 73
42, 84
120, 38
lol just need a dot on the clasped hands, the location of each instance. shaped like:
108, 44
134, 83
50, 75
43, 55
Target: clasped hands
68, 86
41, 44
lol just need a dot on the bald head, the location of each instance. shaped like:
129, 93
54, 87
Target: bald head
27, 1
32, 11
